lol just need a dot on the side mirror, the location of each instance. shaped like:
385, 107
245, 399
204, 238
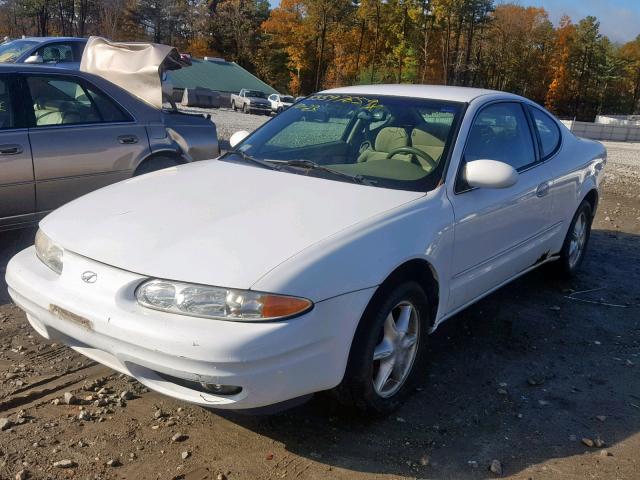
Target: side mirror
490, 174
34, 59
237, 137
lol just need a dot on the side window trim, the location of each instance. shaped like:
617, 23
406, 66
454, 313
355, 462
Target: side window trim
460, 186
556, 149
535, 137
28, 101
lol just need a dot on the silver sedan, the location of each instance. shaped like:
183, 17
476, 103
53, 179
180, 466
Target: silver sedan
65, 133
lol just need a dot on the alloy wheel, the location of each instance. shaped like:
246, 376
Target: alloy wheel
395, 354
578, 239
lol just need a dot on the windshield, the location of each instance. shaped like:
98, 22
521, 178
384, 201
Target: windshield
10, 51
255, 93
392, 142
287, 99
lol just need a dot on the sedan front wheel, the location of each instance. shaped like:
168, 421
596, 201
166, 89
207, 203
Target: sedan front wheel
388, 352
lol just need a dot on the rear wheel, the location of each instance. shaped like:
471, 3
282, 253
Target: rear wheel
156, 163
245, 108
576, 241
388, 354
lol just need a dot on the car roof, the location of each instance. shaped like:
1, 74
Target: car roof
439, 92
50, 39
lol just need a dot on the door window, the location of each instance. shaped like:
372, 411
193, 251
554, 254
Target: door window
7, 119
501, 132
548, 131
65, 101
57, 53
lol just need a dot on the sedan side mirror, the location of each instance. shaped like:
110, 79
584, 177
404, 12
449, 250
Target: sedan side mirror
490, 174
237, 137
34, 59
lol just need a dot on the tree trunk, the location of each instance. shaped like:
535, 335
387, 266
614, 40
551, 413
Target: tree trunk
323, 35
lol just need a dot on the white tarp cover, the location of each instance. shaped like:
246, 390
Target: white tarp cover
136, 67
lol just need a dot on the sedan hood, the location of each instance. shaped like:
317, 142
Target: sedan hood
212, 222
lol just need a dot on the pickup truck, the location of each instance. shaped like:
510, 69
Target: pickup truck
251, 101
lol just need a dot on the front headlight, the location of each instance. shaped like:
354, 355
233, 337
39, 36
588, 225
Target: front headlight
218, 303
50, 253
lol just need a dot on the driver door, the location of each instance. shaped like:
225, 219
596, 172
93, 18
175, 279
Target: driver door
499, 232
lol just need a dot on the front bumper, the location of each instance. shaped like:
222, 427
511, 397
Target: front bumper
260, 108
271, 361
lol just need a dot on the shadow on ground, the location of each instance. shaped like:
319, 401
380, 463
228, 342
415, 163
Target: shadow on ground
580, 357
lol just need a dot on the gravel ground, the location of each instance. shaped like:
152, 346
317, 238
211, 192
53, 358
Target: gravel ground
537, 381
228, 122
622, 153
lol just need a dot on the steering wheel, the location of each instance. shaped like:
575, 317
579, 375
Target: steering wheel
413, 151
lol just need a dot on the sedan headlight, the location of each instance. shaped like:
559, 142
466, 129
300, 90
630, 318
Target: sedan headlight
50, 253
217, 302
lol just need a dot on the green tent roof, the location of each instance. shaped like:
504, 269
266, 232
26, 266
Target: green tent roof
217, 75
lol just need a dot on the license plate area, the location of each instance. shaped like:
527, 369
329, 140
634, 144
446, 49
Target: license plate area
65, 314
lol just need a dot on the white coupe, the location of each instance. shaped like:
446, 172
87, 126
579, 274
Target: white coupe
320, 252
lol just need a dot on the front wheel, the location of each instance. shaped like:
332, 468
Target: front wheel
233, 106
388, 354
576, 241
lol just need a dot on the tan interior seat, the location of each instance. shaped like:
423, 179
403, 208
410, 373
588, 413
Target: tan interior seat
428, 143
387, 140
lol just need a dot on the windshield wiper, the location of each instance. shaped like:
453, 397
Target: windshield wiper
248, 158
311, 165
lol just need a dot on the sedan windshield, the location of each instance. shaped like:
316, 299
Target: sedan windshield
10, 51
390, 142
287, 99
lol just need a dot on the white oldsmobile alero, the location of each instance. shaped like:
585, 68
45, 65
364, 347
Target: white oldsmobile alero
320, 252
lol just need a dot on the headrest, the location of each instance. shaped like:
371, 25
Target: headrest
390, 138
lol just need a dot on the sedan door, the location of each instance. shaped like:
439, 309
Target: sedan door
499, 233
17, 191
81, 139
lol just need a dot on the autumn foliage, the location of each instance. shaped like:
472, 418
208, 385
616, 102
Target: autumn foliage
302, 46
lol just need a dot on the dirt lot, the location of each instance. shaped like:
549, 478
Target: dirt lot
543, 376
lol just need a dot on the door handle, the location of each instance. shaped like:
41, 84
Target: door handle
127, 139
12, 149
542, 189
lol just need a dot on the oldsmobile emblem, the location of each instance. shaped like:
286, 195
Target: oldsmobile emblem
89, 276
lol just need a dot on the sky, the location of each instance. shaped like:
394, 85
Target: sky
619, 19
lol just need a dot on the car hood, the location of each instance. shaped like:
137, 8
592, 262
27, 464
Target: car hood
213, 222
258, 100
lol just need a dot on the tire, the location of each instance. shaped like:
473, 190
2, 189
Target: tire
233, 106
245, 109
279, 110
374, 335
577, 237
155, 163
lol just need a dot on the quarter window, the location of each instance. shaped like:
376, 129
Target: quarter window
501, 132
65, 101
548, 131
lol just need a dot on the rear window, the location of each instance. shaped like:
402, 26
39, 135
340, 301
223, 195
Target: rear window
548, 131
